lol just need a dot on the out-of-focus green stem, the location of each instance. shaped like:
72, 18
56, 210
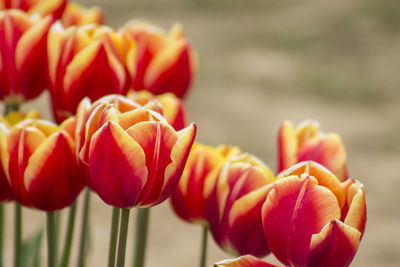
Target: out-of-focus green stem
69, 236
84, 233
142, 225
204, 241
51, 232
1, 233
113, 236
123, 230
17, 235
57, 221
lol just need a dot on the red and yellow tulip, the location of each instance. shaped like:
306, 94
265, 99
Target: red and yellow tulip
173, 108
148, 154
40, 164
244, 261
235, 209
41, 7
191, 198
161, 62
311, 219
75, 14
85, 61
307, 142
23, 46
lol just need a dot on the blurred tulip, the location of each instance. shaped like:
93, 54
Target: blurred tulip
23, 42
76, 14
244, 261
39, 161
161, 62
148, 155
41, 7
191, 198
311, 219
173, 108
84, 61
234, 211
307, 142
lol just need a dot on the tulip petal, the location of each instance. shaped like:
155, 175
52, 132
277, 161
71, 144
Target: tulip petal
244, 261
119, 182
157, 140
295, 210
336, 245
51, 177
357, 214
287, 146
245, 225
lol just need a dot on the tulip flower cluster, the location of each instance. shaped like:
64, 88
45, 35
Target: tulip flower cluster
121, 132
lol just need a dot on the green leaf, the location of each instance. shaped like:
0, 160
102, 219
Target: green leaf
31, 249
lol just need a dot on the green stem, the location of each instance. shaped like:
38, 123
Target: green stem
57, 222
69, 236
142, 225
51, 232
1, 233
122, 237
113, 236
203, 257
84, 234
17, 235
11, 108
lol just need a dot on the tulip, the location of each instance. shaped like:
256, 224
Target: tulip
307, 142
161, 62
148, 154
235, 209
22, 55
42, 7
84, 61
76, 14
172, 107
192, 196
311, 219
5, 125
39, 161
244, 261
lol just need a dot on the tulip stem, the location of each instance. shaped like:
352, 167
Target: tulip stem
113, 236
122, 237
17, 235
1, 233
142, 225
69, 236
51, 232
204, 242
84, 234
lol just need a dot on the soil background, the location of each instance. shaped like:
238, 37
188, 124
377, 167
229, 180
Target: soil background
261, 62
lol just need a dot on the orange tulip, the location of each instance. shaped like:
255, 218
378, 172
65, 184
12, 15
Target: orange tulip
311, 219
161, 62
76, 14
306, 142
42, 7
172, 107
84, 61
40, 164
147, 154
235, 209
191, 198
22, 55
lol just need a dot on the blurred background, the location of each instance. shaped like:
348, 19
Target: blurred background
261, 62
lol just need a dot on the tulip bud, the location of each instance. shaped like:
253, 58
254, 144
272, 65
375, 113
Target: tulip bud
76, 14
84, 61
147, 154
23, 44
172, 107
41, 7
306, 142
161, 62
311, 219
191, 198
234, 212
39, 161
